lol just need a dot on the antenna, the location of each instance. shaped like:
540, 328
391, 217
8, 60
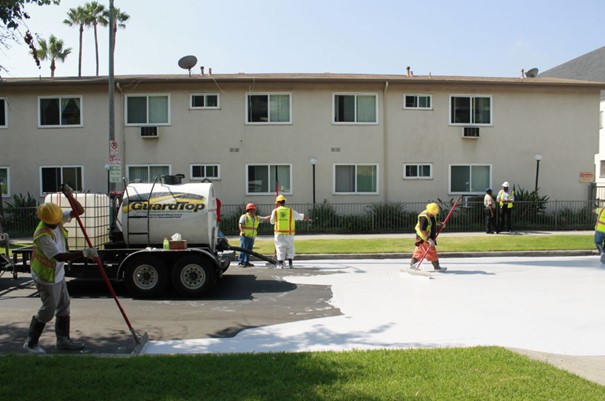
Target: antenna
532, 73
187, 63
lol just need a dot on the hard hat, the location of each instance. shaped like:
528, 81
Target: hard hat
505, 184
432, 208
280, 198
250, 206
50, 213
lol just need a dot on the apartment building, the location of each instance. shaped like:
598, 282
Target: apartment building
335, 137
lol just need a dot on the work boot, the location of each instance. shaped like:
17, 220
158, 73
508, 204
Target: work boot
280, 264
62, 332
290, 263
33, 335
438, 267
413, 263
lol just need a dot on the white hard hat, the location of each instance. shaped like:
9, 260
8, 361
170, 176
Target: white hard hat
505, 184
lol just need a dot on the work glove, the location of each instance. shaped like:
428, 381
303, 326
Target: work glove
90, 253
431, 242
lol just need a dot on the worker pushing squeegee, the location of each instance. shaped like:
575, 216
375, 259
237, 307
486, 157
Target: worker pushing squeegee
58, 217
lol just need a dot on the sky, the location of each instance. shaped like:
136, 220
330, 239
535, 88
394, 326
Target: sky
441, 37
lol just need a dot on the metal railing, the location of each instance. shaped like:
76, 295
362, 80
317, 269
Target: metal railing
375, 218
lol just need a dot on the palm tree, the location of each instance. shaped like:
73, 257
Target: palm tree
94, 15
77, 17
53, 50
120, 19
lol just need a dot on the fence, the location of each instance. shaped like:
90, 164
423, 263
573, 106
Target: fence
368, 218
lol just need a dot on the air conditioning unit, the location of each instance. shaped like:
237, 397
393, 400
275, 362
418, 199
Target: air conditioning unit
149, 132
470, 132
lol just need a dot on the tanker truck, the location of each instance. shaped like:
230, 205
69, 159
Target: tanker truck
151, 237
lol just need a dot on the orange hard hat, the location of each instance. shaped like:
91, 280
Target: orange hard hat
250, 206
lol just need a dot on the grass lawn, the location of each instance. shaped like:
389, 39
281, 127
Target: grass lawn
480, 373
445, 244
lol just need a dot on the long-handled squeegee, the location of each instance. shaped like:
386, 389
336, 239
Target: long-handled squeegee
139, 340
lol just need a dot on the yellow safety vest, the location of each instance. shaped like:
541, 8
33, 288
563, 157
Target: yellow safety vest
41, 265
283, 219
250, 226
511, 198
600, 224
428, 228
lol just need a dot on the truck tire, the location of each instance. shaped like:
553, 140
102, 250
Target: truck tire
146, 276
193, 275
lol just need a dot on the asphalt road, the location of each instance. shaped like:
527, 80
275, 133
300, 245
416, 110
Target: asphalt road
243, 298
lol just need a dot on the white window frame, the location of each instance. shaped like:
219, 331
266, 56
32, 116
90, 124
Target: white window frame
148, 166
479, 190
4, 109
417, 96
356, 192
205, 96
205, 176
418, 167
471, 112
147, 123
60, 98
271, 191
6, 183
355, 95
268, 122
74, 166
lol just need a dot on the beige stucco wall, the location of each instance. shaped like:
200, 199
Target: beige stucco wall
559, 123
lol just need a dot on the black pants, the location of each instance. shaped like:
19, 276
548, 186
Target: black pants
490, 221
505, 216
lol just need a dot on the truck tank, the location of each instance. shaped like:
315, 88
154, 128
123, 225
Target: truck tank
150, 212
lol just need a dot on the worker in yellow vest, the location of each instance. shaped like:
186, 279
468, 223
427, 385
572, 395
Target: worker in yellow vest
248, 227
599, 232
284, 223
426, 238
505, 201
48, 257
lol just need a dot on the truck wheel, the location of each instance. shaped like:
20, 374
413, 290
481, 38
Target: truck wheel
193, 276
146, 276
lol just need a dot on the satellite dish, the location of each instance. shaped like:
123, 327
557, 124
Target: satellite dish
187, 63
532, 73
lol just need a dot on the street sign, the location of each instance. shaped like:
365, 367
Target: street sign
115, 174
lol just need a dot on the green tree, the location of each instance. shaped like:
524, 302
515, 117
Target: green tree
94, 16
120, 18
13, 15
52, 50
78, 17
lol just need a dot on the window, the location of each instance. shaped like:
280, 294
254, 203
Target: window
470, 179
602, 169
262, 179
421, 102
417, 171
268, 108
355, 109
205, 171
204, 101
54, 176
356, 178
4, 183
475, 110
148, 110
146, 173
60, 111
3, 113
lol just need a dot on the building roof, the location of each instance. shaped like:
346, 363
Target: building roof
590, 67
305, 78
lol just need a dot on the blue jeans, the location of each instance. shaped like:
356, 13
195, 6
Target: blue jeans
246, 243
599, 240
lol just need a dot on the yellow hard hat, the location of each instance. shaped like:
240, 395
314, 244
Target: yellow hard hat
280, 198
433, 208
50, 213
